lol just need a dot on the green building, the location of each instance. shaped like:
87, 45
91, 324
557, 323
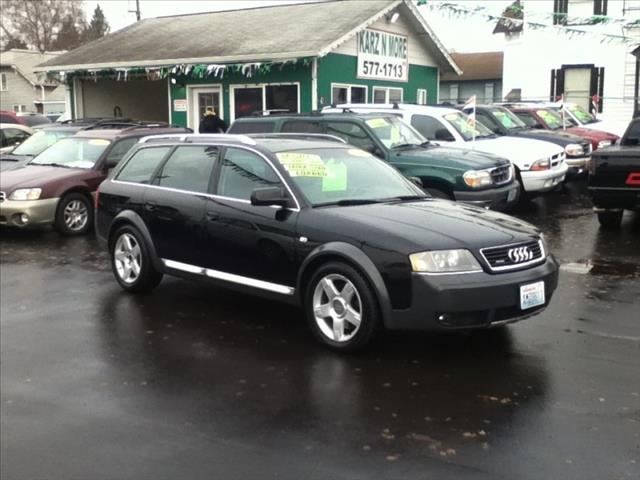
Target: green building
244, 62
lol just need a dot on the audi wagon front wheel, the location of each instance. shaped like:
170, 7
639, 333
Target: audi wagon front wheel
341, 307
131, 261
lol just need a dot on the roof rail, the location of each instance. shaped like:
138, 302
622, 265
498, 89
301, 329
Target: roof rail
300, 136
195, 137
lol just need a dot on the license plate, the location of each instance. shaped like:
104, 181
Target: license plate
511, 195
531, 295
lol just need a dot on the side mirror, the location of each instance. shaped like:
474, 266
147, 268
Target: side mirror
111, 163
444, 135
416, 181
267, 197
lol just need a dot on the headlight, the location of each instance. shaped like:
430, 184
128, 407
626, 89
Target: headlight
604, 143
26, 194
477, 178
542, 164
444, 261
574, 150
543, 239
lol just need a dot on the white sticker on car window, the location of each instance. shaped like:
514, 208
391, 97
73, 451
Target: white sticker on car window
302, 164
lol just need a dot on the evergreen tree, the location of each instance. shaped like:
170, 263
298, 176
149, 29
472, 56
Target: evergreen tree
98, 27
69, 36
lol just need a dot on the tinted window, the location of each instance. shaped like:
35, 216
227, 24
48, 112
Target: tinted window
427, 126
242, 172
487, 121
302, 126
252, 127
632, 135
11, 136
120, 149
189, 168
352, 134
528, 119
142, 164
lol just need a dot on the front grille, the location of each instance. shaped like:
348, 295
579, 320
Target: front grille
501, 175
586, 147
511, 257
556, 159
3, 196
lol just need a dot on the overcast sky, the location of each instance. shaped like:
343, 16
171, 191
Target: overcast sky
464, 35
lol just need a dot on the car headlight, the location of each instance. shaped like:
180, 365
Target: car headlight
543, 239
26, 194
604, 143
444, 261
542, 164
477, 178
574, 150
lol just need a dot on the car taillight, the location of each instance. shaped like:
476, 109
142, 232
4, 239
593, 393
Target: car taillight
633, 180
542, 164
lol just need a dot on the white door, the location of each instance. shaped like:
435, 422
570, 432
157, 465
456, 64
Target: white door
577, 85
201, 98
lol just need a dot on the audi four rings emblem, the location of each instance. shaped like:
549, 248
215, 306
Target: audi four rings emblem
520, 254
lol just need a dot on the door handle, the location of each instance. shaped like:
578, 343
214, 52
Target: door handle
150, 206
212, 216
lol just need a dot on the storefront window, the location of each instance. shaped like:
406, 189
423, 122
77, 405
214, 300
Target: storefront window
387, 95
246, 101
348, 94
282, 97
262, 98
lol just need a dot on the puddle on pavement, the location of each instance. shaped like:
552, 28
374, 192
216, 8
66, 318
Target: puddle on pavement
602, 267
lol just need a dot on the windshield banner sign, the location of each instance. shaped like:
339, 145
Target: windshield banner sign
383, 56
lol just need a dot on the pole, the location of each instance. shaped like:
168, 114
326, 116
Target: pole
137, 11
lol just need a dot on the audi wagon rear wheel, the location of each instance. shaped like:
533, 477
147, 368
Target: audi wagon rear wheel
341, 307
131, 261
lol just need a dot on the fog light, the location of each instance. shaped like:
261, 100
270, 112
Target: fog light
20, 219
548, 183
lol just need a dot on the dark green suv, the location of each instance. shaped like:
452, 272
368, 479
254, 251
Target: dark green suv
446, 172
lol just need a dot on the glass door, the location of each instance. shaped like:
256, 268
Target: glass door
202, 98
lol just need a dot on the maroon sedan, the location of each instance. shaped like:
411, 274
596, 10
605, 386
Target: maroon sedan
548, 119
57, 186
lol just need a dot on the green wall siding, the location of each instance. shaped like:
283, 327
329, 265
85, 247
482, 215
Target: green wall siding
337, 68
289, 73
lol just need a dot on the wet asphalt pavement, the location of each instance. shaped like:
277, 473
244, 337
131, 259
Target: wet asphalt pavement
194, 382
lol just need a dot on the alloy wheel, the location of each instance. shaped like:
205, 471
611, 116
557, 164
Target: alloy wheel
127, 258
76, 215
337, 308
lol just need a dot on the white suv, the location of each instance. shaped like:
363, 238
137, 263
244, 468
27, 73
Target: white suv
541, 164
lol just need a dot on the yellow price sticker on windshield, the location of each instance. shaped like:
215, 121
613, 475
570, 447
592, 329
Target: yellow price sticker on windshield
377, 122
98, 142
302, 164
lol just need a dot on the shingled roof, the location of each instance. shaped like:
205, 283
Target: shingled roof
255, 34
24, 61
476, 66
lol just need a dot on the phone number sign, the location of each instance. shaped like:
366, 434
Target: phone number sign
383, 56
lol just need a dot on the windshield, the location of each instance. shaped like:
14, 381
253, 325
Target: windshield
393, 131
73, 152
554, 119
508, 119
580, 113
335, 175
464, 125
37, 142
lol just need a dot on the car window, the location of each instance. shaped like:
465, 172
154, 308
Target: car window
141, 166
302, 126
252, 127
242, 172
12, 136
352, 134
528, 119
32, 120
632, 135
427, 126
507, 119
330, 175
189, 168
73, 152
37, 142
487, 121
467, 127
120, 149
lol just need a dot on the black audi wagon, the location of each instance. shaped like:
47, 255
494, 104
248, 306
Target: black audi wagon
321, 224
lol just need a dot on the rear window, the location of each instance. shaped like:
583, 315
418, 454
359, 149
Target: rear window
142, 165
189, 168
252, 127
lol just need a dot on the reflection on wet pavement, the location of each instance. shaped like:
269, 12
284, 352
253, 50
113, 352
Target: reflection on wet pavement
196, 382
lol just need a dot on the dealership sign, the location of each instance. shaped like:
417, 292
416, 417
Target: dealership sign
383, 56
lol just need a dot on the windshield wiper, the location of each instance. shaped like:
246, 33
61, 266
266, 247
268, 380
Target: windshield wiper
407, 145
348, 202
405, 198
51, 165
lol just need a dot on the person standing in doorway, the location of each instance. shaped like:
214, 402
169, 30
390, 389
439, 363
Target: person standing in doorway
211, 123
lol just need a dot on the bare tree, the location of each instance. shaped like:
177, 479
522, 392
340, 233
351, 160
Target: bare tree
37, 22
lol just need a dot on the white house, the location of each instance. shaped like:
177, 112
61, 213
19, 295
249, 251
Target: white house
544, 63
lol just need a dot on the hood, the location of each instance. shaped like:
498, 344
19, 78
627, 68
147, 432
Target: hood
449, 157
33, 176
431, 224
521, 151
608, 126
559, 137
10, 162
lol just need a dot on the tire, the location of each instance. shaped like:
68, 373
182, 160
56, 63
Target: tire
610, 219
437, 193
74, 215
131, 261
337, 295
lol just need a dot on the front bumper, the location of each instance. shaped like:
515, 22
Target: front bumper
544, 180
501, 198
472, 301
577, 166
38, 212
620, 198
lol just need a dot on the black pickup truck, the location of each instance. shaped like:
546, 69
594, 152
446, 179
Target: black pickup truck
614, 178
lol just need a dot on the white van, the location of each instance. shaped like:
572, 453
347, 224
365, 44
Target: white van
541, 164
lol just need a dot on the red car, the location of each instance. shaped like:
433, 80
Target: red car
548, 119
